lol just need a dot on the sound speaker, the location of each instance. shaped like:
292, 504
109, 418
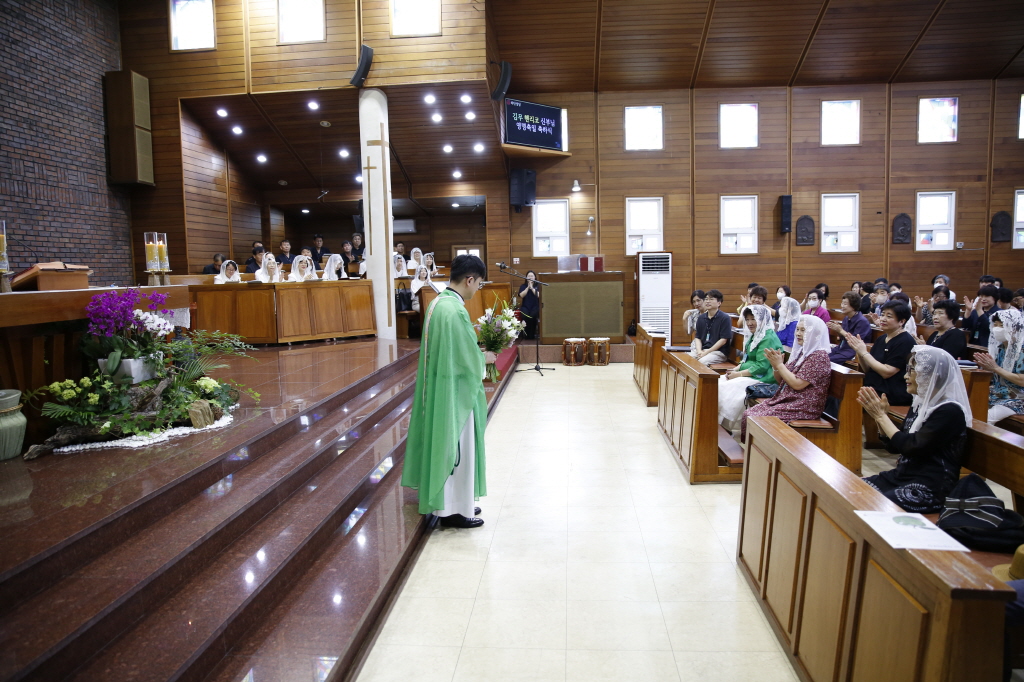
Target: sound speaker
786, 213
357, 222
503, 81
365, 62
522, 189
129, 140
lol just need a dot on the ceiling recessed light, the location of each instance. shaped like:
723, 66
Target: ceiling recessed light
470, 115
337, 599
261, 158
305, 210
313, 105
222, 112
447, 149
343, 153
282, 182
455, 205
359, 178
436, 118
457, 174
478, 147
466, 99
325, 124
237, 130
429, 99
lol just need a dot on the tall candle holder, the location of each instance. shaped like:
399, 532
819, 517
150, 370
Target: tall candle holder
5, 264
165, 263
153, 265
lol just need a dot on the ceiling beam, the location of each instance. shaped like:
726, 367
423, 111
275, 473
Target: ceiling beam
807, 45
1007, 65
917, 41
597, 45
703, 43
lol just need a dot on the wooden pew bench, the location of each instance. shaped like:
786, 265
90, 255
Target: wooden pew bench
1014, 424
844, 604
738, 339
647, 364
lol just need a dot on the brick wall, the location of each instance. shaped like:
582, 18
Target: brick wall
53, 175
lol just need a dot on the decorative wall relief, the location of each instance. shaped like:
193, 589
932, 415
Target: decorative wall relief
1002, 227
805, 231
901, 227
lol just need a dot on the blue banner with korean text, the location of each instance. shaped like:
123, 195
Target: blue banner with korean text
534, 125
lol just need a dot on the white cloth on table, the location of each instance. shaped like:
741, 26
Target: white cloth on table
998, 413
712, 358
732, 393
459, 489
179, 317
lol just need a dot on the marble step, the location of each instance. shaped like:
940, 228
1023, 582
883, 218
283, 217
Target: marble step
54, 631
185, 637
142, 486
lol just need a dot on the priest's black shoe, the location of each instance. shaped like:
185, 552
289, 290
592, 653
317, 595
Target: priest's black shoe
476, 511
460, 521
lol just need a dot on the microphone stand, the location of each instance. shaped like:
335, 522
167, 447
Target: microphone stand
536, 337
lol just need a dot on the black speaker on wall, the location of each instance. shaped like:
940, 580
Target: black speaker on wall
503, 81
363, 70
522, 190
786, 213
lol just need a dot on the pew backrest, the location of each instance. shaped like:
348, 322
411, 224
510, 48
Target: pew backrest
646, 364
998, 455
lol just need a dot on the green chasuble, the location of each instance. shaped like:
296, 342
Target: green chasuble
449, 385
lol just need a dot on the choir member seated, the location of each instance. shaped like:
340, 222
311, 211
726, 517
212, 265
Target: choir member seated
303, 270
228, 273
335, 268
214, 267
269, 271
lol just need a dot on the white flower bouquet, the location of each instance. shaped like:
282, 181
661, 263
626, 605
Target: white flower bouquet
497, 332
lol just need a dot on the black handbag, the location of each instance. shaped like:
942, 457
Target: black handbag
977, 518
631, 330
761, 390
403, 298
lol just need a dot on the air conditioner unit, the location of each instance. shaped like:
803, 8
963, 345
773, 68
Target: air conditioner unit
654, 295
404, 226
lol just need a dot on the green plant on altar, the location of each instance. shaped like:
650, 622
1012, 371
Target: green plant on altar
497, 332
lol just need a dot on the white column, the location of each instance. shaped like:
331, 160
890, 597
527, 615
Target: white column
375, 161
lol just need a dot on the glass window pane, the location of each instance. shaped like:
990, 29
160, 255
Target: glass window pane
737, 214
1019, 210
934, 210
552, 217
936, 120
192, 25
300, 21
644, 128
644, 216
415, 17
1020, 125
840, 122
737, 125
838, 211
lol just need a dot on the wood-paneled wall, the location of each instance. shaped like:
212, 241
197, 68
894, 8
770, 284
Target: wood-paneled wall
887, 168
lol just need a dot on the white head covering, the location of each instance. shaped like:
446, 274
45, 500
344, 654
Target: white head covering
263, 274
334, 263
296, 276
815, 339
418, 283
433, 267
789, 311
223, 276
939, 381
398, 263
1013, 323
415, 262
911, 326
763, 317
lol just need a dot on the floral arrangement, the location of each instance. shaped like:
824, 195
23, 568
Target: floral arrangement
117, 331
496, 332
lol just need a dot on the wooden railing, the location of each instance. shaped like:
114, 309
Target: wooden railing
646, 359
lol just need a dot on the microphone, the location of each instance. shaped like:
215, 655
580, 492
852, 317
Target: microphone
501, 265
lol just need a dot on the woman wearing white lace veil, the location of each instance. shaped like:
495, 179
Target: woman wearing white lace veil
398, 264
415, 259
755, 368
431, 263
269, 272
1005, 360
334, 269
228, 273
302, 270
933, 437
421, 279
789, 315
803, 381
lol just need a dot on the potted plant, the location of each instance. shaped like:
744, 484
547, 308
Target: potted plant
126, 342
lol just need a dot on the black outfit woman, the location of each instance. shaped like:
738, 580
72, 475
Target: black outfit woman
529, 307
893, 352
952, 341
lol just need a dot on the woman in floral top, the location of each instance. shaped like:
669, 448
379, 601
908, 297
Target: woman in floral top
1006, 362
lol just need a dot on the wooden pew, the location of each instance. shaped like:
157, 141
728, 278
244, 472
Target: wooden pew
843, 604
840, 438
646, 363
1014, 424
738, 339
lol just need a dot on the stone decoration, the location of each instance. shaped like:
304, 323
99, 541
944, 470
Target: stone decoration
805, 231
1002, 227
901, 228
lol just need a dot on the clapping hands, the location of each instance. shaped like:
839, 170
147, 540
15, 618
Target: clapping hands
775, 358
985, 362
855, 342
876, 406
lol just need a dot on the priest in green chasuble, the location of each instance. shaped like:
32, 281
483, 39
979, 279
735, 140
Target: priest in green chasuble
444, 452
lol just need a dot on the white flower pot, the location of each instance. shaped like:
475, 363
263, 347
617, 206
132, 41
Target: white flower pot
140, 369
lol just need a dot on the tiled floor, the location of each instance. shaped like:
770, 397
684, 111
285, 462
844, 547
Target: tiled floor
597, 561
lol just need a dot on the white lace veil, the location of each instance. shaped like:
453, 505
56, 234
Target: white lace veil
263, 274
334, 264
414, 263
223, 276
310, 270
1013, 323
433, 269
763, 317
911, 327
939, 381
789, 311
418, 283
815, 339
398, 264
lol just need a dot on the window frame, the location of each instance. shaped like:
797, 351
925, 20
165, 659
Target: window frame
1018, 222
855, 229
756, 229
170, 30
533, 229
860, 123
391, 22
1020, 118
952, 220
481, 248
277, 19
757, 131
661, 223
917, 135
661, 109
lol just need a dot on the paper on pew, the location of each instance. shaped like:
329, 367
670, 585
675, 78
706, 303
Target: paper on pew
903, 530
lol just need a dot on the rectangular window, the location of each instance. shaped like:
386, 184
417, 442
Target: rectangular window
936, 213
644, 128
840, 122
737, 126
1020, 121
551, 228
301, 21
410, 18
739, 224
936, 119
840, 223
1018, 219
192, 25
644, 225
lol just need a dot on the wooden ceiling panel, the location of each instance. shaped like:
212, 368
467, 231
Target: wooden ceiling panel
649, 44
1014, 69
863, 41
756, 43
970, 39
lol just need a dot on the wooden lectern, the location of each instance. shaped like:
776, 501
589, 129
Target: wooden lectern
55, 276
